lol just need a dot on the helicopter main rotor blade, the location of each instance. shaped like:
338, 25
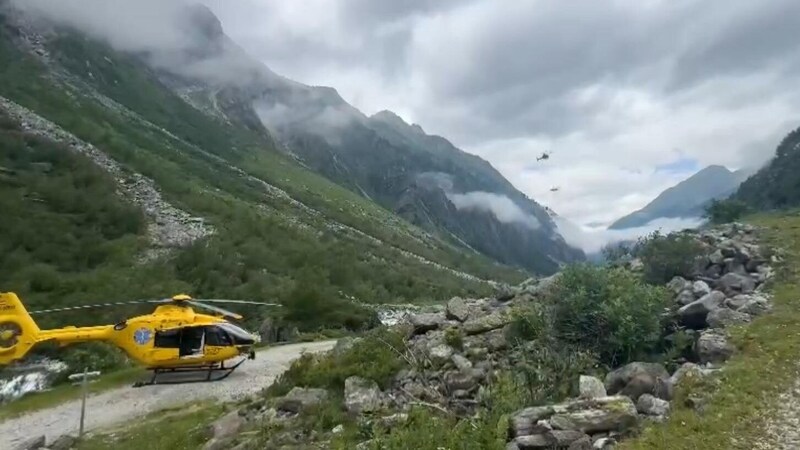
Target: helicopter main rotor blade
239, 302
98, 305
216, 309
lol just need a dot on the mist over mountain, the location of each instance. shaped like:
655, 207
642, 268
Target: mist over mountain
379, 157
687, 199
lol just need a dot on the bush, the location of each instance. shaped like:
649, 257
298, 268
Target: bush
668, 256
606, 312
548, 371
454, 338
376, 357
309, 308
725, 211
92, 356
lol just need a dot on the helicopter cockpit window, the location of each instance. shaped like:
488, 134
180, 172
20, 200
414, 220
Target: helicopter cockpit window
168, 339
217, 337
240, 336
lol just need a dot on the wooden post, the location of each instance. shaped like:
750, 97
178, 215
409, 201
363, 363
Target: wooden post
85, 388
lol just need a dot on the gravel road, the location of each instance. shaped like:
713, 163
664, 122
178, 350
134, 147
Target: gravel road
123, 404
783, 428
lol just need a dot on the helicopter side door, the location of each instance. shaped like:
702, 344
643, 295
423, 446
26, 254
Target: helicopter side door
218, 341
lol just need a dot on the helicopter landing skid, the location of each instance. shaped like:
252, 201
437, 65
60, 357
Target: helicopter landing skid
209, 372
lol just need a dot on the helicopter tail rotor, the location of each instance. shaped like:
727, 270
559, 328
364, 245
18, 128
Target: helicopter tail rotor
18, 331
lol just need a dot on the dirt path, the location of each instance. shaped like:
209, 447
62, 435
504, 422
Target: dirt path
127, 403
783, 429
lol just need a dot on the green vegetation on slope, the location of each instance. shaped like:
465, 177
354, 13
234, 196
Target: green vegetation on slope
765, 366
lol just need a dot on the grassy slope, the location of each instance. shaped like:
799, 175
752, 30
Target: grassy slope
259, 251
765, 366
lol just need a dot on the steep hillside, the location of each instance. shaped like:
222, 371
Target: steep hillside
116, 188
423, 178
685, 199
777, 185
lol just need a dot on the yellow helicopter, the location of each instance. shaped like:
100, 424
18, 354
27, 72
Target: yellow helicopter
173, 338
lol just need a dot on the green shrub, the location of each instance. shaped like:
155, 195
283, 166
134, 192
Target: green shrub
309, 308
725, 211
549, 371
92, 356
668, 256
454, 338
377, 357
607, 312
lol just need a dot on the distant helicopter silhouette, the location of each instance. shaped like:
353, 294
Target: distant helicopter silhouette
545, 156
555, 189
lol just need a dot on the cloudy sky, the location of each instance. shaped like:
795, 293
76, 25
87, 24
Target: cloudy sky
630, 96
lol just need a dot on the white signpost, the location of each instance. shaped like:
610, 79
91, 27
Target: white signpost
84, 382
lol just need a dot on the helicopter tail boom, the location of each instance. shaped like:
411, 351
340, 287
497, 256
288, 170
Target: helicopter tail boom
18, 332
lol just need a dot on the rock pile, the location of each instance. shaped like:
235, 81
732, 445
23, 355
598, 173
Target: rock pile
168, 226
454, 354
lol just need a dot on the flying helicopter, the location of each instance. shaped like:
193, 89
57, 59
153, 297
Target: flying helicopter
555, 189
173, 338
545, 156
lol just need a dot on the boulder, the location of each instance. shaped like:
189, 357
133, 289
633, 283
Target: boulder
713, 271
756, 305
584, 443
716, 257
459, 309
700, 288
300, 399
678, 284
63, 442
735, 283
694, 314
548, 440
652, 406
268, 331
461, 362
226, 426
361, 395
591, 387
724, 317
440, 354
564, 438
685, 297
617, 413
343, 345
713, 347
737, 301
645, 383
493, 321
689, 370
619, 379
526, 421
463, 379
532, 442
33, 443
424, 322
732, 265
496, 340
505, 293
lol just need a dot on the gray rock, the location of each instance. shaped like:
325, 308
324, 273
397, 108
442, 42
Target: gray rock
652, 406
713, 271
584, 443
34, 443
687, 369
716, 257
268, 331
734, 283
724, 317
564, 438
505, 293
226, 426
512, 446
63, 442
732, 265
737, 301
300, 399
678, 284
463, 379
616, 413
591, 387
459, 309
461, 362
440, 354
694, 314
424, 322
713, 347
604, 443
343, 345
490, 322
526, 421
700, 288
618, 379
496, 340
533, 442
685, 297
756, 306
361, 395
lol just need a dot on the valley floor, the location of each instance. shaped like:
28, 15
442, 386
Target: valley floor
128, 404
756, 401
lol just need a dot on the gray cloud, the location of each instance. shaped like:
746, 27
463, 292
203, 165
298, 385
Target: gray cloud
616, 89
502, 207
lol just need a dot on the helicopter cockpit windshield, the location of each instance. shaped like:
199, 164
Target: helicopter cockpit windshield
238, 334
